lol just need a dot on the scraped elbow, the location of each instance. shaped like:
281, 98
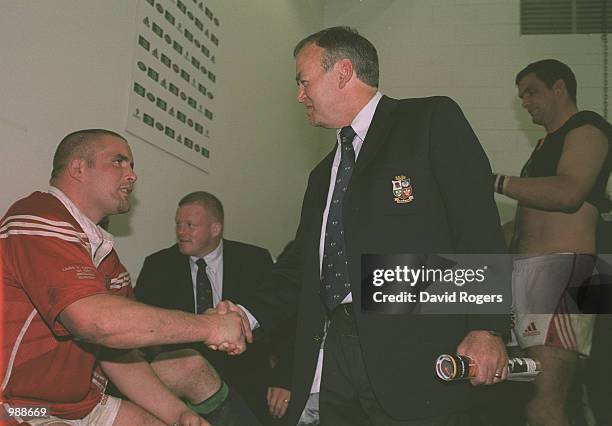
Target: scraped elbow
89, 329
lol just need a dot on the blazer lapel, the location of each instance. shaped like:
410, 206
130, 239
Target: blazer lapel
321, 177
314, 205
376, 137
185, 282
231, 281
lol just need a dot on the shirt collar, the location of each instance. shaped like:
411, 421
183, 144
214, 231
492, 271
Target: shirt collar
361, 122
96, 236
213, 259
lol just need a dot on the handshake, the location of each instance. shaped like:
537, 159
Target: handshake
228, 328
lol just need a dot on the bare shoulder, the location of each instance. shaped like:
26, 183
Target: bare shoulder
587, 136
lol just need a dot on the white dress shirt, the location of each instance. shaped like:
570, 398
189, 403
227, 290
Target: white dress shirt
360, 125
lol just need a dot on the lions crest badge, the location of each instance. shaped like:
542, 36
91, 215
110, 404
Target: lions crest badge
402, 190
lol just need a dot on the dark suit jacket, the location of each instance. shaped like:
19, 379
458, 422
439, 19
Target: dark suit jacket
165, 281
430, 142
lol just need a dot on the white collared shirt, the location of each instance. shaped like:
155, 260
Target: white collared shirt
361, 124
100, 242
214, 271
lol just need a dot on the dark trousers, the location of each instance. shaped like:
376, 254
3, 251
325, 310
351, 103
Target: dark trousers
346, 396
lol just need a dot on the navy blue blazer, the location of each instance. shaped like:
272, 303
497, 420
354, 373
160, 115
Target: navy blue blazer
430, 142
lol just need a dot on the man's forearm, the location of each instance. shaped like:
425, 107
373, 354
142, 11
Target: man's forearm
553, 193
117, 322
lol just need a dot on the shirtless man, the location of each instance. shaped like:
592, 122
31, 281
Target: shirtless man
559, 192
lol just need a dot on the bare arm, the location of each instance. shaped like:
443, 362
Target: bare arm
135, 378
584, 152
118, 322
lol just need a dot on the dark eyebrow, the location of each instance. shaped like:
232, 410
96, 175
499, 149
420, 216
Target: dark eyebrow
122, 157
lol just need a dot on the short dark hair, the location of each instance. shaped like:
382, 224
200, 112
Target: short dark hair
78, 144
207, 200
345, 43
549, 71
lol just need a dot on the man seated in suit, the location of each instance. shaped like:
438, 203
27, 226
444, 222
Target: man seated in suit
199, 271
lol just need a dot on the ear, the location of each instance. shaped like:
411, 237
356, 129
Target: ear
216, 229
559, 87
76, 168
344, 68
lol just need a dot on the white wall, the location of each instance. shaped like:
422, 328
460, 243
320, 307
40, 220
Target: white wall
66, 65
471, 50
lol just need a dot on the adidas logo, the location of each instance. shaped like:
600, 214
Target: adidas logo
531, 330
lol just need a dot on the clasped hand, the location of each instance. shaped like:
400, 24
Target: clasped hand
230, 328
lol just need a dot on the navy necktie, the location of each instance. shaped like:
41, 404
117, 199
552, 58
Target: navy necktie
334, 268
204, 299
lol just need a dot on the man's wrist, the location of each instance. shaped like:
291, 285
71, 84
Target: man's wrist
500, 182
496, 333
207, 323
252, 320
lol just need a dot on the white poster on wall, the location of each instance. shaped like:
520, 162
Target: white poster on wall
172, 94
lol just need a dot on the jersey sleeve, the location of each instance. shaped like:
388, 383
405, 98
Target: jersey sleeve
50, 261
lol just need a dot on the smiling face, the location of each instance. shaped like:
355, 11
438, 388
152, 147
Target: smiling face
318, 90
538, 99
108, 176
197, 231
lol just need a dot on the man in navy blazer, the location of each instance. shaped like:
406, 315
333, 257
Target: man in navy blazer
234, 271
373, 368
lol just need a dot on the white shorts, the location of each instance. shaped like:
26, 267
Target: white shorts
103, 414
545, 311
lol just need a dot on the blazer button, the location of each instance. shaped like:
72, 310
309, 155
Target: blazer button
316, 338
